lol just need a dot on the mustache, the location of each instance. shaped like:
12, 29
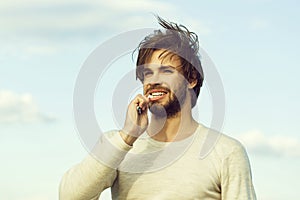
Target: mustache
156, 87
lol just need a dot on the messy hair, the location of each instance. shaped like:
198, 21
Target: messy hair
175, 40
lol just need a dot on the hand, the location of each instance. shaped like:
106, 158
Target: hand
135, 123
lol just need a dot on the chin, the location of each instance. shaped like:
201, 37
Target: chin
163, 111
158, 110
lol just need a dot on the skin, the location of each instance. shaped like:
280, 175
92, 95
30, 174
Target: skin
162, 73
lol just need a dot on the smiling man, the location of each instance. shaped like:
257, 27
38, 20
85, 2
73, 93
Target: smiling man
160, 92
160, 160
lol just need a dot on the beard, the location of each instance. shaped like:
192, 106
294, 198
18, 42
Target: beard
172, 107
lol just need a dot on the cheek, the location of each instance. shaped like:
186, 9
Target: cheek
176, 86
146, 86
179, 89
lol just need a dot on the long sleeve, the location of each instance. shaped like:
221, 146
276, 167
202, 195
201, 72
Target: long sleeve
96, 172
236, 180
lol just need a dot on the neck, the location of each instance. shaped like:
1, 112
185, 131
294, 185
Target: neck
174, 128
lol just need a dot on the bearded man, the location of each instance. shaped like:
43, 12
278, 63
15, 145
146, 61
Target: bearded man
160, 159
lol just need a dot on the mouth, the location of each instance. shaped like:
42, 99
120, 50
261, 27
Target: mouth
155, 95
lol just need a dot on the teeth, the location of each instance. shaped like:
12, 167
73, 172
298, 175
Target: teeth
157, 93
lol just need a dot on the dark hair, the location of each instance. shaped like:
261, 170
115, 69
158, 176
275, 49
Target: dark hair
176, 40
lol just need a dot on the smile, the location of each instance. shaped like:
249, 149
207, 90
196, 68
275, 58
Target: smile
156, 95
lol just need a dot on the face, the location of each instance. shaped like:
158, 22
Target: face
164, 84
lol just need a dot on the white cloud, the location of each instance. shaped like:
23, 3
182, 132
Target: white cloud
279, 145
20, 108
43, 16
63, 16
138, 5
45, 28
26, 49
37, 28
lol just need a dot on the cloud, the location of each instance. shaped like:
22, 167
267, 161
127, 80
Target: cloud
20, 108
141, 5
67, 17
40, 17
52, 27
278, 145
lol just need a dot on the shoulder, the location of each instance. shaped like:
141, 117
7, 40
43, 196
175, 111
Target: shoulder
219, 143
229, 145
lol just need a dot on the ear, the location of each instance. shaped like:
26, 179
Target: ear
192, 84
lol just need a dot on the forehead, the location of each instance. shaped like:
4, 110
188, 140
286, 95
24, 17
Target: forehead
165, 58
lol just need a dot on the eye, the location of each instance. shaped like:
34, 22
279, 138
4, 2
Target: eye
147, 73
168, 71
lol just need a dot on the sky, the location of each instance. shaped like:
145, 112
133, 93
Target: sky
44, 44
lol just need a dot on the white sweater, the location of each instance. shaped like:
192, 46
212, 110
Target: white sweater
152, 170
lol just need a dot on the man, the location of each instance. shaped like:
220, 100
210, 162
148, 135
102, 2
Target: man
160, 159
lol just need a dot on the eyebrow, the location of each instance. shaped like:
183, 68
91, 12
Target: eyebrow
167, 67
162, 67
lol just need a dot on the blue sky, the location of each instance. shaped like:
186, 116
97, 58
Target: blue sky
254, 45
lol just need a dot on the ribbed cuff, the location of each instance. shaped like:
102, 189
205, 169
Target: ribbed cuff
111, 149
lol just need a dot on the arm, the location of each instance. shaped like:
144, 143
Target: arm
96, 172
236, 180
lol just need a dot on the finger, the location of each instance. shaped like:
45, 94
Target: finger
141, 101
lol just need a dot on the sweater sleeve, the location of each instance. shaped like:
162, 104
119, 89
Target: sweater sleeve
236, 180
86, 180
